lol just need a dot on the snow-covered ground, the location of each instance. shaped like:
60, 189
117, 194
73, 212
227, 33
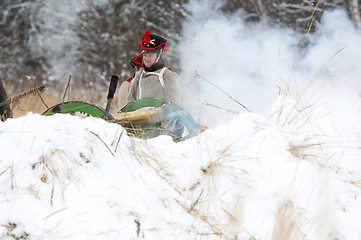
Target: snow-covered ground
66, 177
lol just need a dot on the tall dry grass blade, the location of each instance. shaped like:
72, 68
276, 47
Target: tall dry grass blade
196, 75
285, 227
102, 142
305, 36
120, 136
3, 172
37, 90
309, 26
218, 107
66, 88
65, 91
23, 94
50, 215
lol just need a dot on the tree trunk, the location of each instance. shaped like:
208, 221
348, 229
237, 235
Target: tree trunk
354, 12
5, 111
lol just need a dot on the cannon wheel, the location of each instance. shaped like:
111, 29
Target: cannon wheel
78, 107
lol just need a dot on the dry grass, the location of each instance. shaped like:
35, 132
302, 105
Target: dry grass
286, 223
14, 232
53, 96
196, 200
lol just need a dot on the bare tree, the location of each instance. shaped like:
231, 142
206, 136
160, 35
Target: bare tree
296, 14
16, 29
94, 39
354, 10
5, 111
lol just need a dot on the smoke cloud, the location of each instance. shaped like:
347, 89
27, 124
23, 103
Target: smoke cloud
255, 62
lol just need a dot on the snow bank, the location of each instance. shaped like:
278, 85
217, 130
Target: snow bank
64, 177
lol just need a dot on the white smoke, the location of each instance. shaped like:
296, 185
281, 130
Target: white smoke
252, 61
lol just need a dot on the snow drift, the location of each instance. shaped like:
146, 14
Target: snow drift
64, 177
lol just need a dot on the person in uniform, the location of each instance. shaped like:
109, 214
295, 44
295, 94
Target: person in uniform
155, 80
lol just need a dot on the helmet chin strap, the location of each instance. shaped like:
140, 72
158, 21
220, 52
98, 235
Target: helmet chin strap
159, 55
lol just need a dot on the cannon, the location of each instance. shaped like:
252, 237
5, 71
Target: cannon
144, 118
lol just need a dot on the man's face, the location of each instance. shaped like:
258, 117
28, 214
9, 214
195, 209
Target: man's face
149, 59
